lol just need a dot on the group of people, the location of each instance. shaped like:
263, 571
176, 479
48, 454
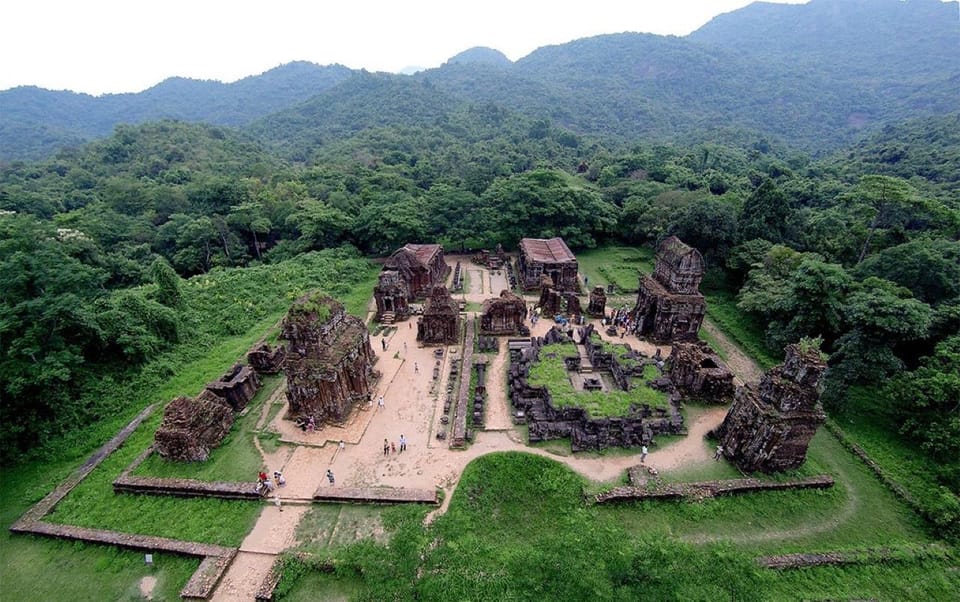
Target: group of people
266, 484
391, 448
621, 319
307, 425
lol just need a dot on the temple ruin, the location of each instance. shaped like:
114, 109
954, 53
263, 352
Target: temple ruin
504, 315
192, 427
770, 425
553, 301
533, 405
547, 257
669, 304
597, 305
237, 387
392, 296
439, 324
494, 260
698, 372
266, 359
329, 361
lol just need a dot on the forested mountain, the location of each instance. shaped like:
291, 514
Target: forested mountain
35, 122
814, 76
479, 54
857, 40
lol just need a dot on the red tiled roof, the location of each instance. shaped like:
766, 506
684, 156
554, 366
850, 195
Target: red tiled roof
551, 250
423, 253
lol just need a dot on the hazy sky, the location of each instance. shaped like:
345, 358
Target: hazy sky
99, 46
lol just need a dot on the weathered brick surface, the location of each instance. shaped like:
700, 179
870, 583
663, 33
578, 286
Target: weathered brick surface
186, 488
207, 576
380, 495
704, 489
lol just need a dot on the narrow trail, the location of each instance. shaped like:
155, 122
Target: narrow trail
742, 366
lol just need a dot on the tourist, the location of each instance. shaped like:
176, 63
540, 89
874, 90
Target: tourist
416, 368
276, 502
330, 476
311, 425
404, 347
393, 447
403, 443
386, 447
718, 453
278, 477
383, 342
342, 445
262, 476
380, 402
643, 454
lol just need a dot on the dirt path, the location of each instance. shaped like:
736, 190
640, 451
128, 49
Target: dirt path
498, 405
742, 366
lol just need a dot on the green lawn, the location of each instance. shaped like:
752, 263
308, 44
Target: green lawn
44, 569
858, 512
620, 266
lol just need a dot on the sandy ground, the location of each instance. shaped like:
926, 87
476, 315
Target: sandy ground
413, 404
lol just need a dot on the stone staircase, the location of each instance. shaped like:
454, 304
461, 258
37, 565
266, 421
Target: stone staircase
388, 317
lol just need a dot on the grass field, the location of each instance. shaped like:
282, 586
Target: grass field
620, 266
742, 328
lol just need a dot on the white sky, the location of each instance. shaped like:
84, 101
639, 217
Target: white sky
100, 46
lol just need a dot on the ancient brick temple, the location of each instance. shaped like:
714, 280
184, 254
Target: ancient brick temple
669, 304
392, 296
192, 427
237, 387
597, 306
494, 260
698, 372
329, 361
769, 426
421, 267
547, 257
266, 359
439, 324
503, 315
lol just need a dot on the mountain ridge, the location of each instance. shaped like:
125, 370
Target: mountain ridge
780, 70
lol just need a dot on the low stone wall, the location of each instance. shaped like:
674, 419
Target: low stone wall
215, 561
705, 489
379, 495
186, 488
847, 557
